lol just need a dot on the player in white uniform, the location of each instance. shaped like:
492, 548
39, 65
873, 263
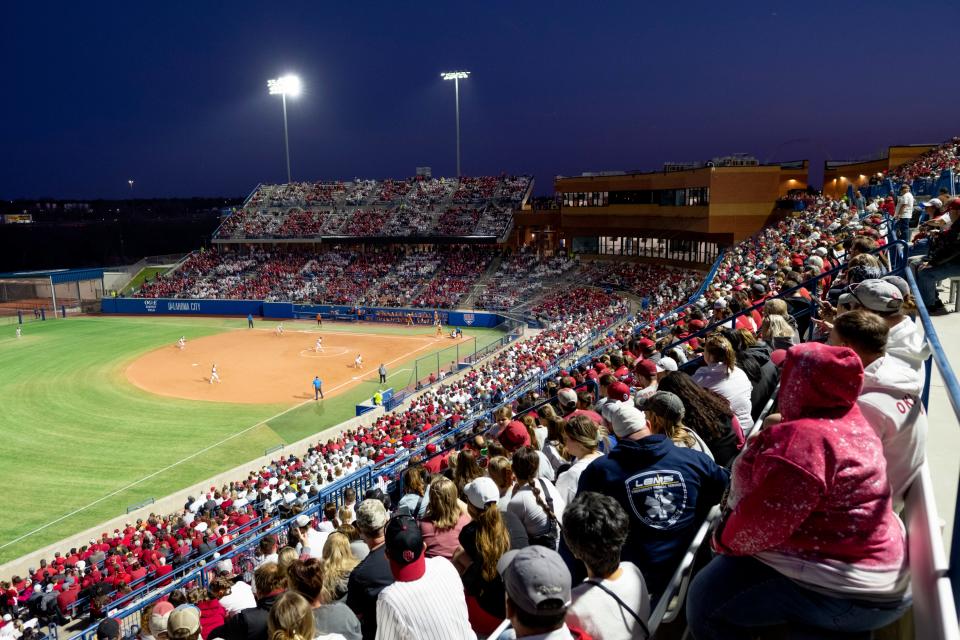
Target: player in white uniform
181, 343
214, 376
19, 332
280, 329
319, 346
358, 362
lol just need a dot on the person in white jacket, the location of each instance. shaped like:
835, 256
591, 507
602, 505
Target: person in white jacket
886, 298
889, 400
722, 376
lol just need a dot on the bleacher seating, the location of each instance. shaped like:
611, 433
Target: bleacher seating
417, 207
584, 326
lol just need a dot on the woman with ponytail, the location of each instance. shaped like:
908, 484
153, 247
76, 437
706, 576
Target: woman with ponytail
290, 618
535, 501
482, 542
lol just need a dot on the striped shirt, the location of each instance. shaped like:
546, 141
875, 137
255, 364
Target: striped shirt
431, 608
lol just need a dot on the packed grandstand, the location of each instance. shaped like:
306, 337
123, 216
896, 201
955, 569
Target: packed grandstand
546, 444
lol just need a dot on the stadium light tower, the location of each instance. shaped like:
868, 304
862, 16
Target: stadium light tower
456, 76
288, 85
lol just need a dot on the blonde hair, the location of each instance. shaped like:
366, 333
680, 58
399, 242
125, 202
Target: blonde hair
775, 326
286, 556
500, 471
582, 430
720, 350
290, 618
338, 562
444, 509
679, 434
493, 539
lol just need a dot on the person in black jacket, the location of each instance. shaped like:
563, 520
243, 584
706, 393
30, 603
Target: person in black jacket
251, 624
942, 263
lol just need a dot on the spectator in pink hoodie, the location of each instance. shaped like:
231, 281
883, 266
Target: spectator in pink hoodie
808, 537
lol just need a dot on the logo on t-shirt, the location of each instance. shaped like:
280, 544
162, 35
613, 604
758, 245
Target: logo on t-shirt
658, 498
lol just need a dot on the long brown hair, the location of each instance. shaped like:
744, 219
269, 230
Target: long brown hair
493, 539
704, 410
467, 469
526, 466
721, 350
444, 509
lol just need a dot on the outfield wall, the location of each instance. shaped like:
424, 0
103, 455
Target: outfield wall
289, 310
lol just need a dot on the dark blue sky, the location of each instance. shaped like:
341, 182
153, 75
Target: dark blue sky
173, 94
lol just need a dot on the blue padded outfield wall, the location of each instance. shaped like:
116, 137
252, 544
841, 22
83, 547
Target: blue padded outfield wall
286, 310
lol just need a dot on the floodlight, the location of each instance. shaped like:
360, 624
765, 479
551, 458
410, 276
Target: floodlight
288, 85
455, 75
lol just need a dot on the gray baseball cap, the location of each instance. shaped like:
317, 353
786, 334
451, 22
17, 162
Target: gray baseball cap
666, 405
536, 579
876, 295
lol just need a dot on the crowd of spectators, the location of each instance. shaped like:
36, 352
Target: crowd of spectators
520, 277
369, 208
492, 527
930, 164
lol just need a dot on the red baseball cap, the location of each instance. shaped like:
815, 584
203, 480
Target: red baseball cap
618, 391
515, 436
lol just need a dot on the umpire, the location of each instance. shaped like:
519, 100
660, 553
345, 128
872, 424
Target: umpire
383, 373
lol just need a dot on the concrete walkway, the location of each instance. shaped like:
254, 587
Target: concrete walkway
943, 442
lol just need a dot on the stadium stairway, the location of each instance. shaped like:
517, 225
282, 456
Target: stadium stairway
478, 286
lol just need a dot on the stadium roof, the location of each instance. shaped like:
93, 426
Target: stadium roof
57, 276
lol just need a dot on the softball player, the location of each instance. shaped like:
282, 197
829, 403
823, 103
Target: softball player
319, 346
214, 376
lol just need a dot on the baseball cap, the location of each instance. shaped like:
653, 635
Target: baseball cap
667, 364
536, 579
933, 202
515, 435
303, 520
899, 283
720, 303
404, 548
666, 405
646, 344
648, 368
876, 295
618, 391
159, 618
624, 417
184, 621
481, 492
108, 629
567, 396
371, 515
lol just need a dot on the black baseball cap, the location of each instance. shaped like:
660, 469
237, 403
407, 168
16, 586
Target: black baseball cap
404, 548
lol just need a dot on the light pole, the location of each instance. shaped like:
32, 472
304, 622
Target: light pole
456, 76
288, 85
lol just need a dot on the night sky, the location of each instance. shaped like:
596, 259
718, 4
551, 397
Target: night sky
173, 94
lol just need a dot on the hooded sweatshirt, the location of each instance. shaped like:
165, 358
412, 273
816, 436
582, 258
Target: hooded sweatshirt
906, 342
666, 490
809, 496
890, 402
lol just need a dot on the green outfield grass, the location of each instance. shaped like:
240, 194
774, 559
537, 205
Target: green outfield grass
75, 433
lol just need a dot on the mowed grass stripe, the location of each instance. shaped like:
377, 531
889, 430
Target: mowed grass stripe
74, 430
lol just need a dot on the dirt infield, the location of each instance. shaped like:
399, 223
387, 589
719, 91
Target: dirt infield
257, 366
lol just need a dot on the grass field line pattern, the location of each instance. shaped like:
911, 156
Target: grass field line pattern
204, 450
